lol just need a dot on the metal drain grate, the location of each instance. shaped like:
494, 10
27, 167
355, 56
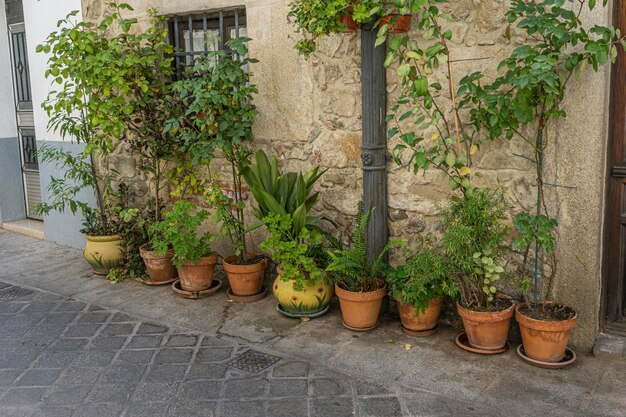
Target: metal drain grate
12, 293
253, 361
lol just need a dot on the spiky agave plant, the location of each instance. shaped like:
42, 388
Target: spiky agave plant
351, 267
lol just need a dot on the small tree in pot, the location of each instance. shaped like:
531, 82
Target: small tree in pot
218, 114
474, 242
192, 256
359, 285
525, 102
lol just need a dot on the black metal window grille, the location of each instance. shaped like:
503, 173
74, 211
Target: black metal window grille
20, 69
195, 34
29, 149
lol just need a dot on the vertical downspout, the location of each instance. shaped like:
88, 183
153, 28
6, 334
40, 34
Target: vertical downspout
374, 147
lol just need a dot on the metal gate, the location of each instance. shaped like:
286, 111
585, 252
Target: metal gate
25, 120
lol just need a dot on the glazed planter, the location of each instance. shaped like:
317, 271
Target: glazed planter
360, 309
351, 24
103, 253
397, 23
245, 280
424, 321
197, 277
543, 340
312, 299
159, 268
486, 330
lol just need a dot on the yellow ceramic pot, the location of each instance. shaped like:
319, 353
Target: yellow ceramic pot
312, 299
103, 253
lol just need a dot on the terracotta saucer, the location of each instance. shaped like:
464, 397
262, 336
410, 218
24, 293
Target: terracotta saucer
568, 359
422, 333
246, 298
323, 311
159, 283
359, 329
463, 343
196, 295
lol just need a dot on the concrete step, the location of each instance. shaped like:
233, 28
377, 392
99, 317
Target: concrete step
610, 346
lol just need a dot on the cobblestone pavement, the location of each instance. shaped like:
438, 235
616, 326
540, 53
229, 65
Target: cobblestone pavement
61, 357
71, 344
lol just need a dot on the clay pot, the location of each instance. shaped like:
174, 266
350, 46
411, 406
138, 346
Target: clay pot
487, 330
103, 253
159, 268
360, 309
397, 23
544, 341
426, 320
197, 277
245, 280
351, 24
312, 299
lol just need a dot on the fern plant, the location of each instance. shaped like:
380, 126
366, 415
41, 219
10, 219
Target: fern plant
351, 267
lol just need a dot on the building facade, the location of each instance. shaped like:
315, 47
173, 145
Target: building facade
310, 113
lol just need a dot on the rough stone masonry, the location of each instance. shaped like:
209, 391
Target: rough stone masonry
309, 113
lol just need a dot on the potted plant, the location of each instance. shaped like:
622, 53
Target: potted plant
525, 102
217, 92
392, 19
138, 231
108, 86
419, 286
192, 256
302, 287
474, 242
295, 240
103, 249
359, 285
314, 19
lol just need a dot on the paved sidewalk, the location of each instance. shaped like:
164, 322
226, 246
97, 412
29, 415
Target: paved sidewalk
71, 344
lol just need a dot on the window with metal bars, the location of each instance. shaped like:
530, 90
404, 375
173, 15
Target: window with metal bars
197, 33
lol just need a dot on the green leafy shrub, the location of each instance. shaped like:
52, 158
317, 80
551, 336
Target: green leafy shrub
474, 242
293, 253
179, 231
316, 18
423, 277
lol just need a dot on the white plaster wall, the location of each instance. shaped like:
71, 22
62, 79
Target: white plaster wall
7, 105
41, 18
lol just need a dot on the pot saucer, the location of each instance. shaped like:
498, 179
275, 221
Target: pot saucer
216, 284
159, 283
421, 333
359, 329
568, 359
284, 312
463, 343
246, 298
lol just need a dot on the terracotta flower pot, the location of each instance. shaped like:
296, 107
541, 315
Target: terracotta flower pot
103, 253
426, 320
159, 268
487, 330
397, 23
197, 277
360, 309
351, 24
544, 340
245, 280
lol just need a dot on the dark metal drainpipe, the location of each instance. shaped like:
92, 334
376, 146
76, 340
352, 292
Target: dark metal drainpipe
374, 147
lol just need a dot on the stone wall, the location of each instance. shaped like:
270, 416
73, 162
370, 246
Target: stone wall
310, 113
